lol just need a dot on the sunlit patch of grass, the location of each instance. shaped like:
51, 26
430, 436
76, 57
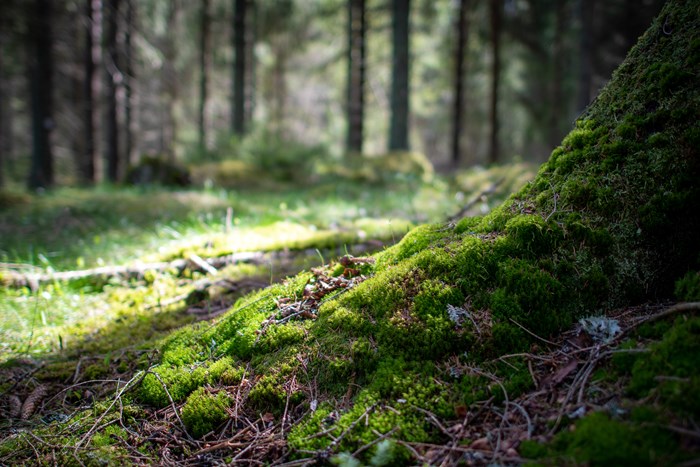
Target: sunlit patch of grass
69, 229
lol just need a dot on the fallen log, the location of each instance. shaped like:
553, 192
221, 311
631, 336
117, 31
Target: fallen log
15, 278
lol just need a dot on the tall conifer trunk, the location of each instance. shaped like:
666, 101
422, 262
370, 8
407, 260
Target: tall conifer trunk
40, 64
496, 18
356, 75
238, 94
129, 79
112, 80
204, 40
398, 131
459, 77
87, 165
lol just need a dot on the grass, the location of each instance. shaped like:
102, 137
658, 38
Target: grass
69, 229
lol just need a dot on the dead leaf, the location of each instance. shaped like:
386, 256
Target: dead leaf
481, 444
564, 371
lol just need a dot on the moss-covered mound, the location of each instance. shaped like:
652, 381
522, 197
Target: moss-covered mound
612, 219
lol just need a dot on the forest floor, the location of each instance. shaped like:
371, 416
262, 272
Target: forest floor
116, 245
94, 279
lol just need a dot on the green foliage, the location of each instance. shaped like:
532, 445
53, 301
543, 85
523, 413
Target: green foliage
385, 168
158, 170
203, 411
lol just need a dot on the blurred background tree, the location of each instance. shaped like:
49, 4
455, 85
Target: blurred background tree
89, 87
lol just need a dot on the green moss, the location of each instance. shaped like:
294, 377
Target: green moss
179, 382
670, 368
688, 287
533, 233
599, 440
609, 221
281, 335
110, 436
269, 395
204, 411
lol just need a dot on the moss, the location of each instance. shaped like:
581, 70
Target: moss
688, 287
110, 436
599, 440
670, 368
178, 382
610, 220
269, 395
278, 336
95, 371
204, 411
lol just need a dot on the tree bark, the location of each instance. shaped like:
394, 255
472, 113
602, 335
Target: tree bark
3, 106
87, 165
400, 108
496, 18
112, 80
557, 104
249, 75
586, 50
128, 83
357, 29
204, 40
459, 77
40, 62
170, 83
238, 107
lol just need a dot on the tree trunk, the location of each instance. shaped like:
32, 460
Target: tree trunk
459, 77
40, 62
556, 108
204, 40
357, 29
496, 17
279, 88
586, 51
398, 132
170, 83
238, 111
112, 80
6, 114
3, 106
249, 75
128, 82
87, 165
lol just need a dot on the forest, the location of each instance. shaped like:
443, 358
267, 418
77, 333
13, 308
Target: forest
349, 232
